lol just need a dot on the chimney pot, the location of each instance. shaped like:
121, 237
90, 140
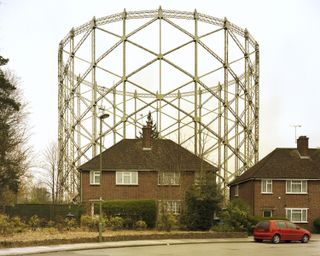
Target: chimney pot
303, 145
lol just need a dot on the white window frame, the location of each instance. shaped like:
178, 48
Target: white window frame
175, 180
303, 213
290, 184
236, 190
122, 176
266, 186
171, 206
93, 177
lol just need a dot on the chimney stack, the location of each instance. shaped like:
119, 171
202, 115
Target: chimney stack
146, 136
303, 145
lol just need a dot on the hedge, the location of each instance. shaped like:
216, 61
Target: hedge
44, 211
132, 210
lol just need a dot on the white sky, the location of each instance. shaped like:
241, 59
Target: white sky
288, 32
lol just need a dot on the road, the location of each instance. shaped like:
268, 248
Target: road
217, 249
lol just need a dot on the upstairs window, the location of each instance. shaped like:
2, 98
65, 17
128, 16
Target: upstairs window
169, 178
127, 178
94, 177
266, 186
296, 187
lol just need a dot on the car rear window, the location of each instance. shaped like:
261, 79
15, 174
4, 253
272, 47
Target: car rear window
281, 224
263, 225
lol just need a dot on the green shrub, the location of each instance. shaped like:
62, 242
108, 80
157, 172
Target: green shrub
236, 215
89, 222
166, 221
34, 222
4, 224
316, 225
51, 224
128, 223
201, 201
70, 223
140, 225
17, 225
222, 228
115, 223
133, 210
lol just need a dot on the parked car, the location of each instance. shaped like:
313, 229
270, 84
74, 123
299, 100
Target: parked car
280, 230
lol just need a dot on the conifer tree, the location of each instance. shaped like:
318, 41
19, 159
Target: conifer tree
13, 154
154, 128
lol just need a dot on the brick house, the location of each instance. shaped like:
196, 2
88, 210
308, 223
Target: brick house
285, 183
146, 168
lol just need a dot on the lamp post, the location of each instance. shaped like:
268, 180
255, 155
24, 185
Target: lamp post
103, 116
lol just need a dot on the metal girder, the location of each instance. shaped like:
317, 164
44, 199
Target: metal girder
200, 83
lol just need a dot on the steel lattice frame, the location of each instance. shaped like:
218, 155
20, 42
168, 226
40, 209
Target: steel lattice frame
199, 77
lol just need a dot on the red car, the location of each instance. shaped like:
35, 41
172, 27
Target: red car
280, 230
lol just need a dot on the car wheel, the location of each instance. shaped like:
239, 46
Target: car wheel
258, 240
305, 239
276, 239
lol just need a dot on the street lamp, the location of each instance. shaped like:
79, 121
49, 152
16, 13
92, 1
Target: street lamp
103, 116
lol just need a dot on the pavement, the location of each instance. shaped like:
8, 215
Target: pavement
122, 244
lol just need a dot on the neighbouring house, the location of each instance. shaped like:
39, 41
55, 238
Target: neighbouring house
285, 183
137, 169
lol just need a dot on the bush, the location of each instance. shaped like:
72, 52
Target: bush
70, 223
4, 224
17, 225
236, 215
132, 210
115, 223
34, 222
166, 221
222, 228
51, 224
141, 225
89, 222
202, 200
128, 223
316, 225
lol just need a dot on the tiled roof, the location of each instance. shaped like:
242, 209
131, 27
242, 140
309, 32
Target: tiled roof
165, 155
284, 163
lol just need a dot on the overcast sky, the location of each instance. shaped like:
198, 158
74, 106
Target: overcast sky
288, 32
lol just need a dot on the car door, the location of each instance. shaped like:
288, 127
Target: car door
283, 230
293, 231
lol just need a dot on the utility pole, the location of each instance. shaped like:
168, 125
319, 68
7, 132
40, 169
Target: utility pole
101, 117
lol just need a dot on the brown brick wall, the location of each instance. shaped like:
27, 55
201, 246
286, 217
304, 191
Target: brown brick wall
245, 193
148, 187
279, 200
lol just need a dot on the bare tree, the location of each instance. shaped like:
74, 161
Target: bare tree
50, 165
